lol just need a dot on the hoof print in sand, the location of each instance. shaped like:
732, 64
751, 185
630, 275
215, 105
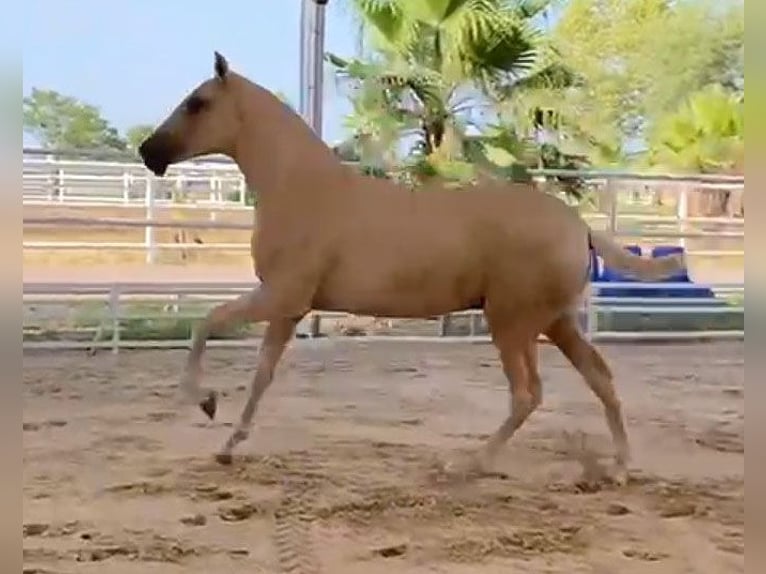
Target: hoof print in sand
645, 555
239, 513
34, 529
391, 551
194, 520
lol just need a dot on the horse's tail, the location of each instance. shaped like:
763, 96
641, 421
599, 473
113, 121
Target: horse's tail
642, 268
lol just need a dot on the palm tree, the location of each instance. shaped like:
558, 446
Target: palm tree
439, 67
707, 135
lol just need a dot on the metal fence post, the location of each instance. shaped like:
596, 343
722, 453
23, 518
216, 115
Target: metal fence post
444, 325
591, 315
114, 316
682, 212
126, 181
315, 325
60, 184
611, 193
476, 323
242, 188
149, 242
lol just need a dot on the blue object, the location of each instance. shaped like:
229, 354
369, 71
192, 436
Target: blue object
681, 277
609, 275
663, 251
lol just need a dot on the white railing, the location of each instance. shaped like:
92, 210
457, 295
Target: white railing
118, 298
217, 185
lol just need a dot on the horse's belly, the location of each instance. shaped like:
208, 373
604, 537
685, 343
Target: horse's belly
400, 290
381, 303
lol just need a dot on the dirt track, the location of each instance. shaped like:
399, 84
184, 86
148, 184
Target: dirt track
337, 477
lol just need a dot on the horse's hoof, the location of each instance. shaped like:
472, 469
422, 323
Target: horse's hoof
224, 458
620, 476
209, 405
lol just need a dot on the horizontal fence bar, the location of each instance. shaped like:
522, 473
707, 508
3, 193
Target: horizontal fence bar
120, 179
650, 336
664, 219
124, 222
680, 234
670, 310
194, 298
646, 177
597, 300
250, 342
602, 336
73, 202
183, 287
178, 287
671, 285
181, 176
218, 162
127, 246
115, 296
207, 224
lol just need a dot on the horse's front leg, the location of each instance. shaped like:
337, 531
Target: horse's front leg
278, 334
259, 304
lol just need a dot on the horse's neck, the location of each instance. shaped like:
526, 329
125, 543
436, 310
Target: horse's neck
281, 157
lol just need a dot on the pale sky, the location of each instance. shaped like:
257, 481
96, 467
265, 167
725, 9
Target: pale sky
135, 59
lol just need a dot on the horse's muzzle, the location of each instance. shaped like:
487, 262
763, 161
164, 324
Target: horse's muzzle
156, 154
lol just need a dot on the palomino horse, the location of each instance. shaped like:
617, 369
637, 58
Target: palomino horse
329, 238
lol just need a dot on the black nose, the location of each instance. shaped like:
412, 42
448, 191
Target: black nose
145, 149
154, 155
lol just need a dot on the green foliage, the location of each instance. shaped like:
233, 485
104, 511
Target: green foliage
436, 61
640, 59
501, 151
59, 121
707, 134
449, 86
135, 135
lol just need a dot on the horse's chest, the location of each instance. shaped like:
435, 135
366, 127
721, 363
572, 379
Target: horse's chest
280, 255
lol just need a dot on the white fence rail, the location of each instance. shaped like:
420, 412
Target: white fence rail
218, 185
122, 302
215, 186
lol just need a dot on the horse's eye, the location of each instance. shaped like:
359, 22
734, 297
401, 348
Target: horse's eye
195, 104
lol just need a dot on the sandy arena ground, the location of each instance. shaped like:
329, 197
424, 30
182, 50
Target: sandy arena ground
338, 476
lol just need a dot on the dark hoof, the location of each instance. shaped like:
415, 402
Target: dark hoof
224, 459
209, 405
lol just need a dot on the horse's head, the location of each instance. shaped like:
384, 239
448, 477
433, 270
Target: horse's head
206, 121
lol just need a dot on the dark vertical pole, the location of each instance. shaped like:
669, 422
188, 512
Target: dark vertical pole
303, 59
318, 68
312, 62
307, 18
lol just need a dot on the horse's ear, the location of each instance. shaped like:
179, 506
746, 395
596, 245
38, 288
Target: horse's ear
221, 66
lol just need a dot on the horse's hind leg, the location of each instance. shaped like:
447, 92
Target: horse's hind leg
518, 355
278, 334
566, 335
